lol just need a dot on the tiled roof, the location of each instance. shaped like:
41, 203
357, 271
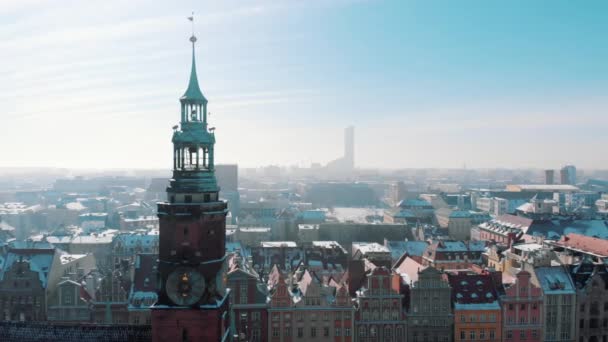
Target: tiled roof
585, 243
473, 288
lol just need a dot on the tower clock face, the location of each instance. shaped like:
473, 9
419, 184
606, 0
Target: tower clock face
185, 286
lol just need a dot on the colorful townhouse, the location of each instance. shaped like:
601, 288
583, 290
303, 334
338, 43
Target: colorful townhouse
477, 314
303, 308
379, 305
430, 316
249, 314
522, 310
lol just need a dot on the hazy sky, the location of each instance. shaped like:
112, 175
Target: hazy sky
425, 83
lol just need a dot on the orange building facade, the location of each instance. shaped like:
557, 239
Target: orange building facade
477, 313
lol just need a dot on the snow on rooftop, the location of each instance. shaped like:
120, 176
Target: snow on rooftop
77, 206
370, 247
554, 280
355, 215
528, 247
276, 244
308, 226
67, 258
255, 229
328, 245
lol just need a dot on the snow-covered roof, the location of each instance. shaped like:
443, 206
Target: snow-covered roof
528, 247
308, 226
77, 206
355, 215
370, 247
255, 229
328, 245
554, 280
5, 226
67, 258
91, 239
141, 219
277, 244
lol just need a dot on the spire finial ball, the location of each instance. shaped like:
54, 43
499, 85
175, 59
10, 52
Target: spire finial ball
193, 39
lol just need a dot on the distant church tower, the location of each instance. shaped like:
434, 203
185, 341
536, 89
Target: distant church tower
193, 300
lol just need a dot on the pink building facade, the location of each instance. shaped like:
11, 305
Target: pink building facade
522, 314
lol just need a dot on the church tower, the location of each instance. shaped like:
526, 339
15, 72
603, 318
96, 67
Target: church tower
193, 300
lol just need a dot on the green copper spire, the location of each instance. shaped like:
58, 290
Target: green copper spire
193, 93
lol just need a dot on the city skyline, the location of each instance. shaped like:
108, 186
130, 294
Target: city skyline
413, 78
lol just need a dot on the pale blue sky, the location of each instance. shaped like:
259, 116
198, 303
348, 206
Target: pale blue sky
426, 83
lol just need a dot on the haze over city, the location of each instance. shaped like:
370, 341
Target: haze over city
425, 83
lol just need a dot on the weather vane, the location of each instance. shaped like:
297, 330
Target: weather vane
193, 38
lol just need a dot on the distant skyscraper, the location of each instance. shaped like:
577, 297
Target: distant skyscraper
346, 164
549, 177
568, 174
349, 146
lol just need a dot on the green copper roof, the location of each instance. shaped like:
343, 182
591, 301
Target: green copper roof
194, 91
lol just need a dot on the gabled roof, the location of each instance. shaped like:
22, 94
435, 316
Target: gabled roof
399, 248
144, 283
39, 261
308, 280
408, 268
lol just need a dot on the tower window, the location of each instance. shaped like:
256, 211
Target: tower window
207, 198
188, 199
185, 231
172, 199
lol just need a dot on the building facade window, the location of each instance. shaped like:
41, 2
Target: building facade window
243, 295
